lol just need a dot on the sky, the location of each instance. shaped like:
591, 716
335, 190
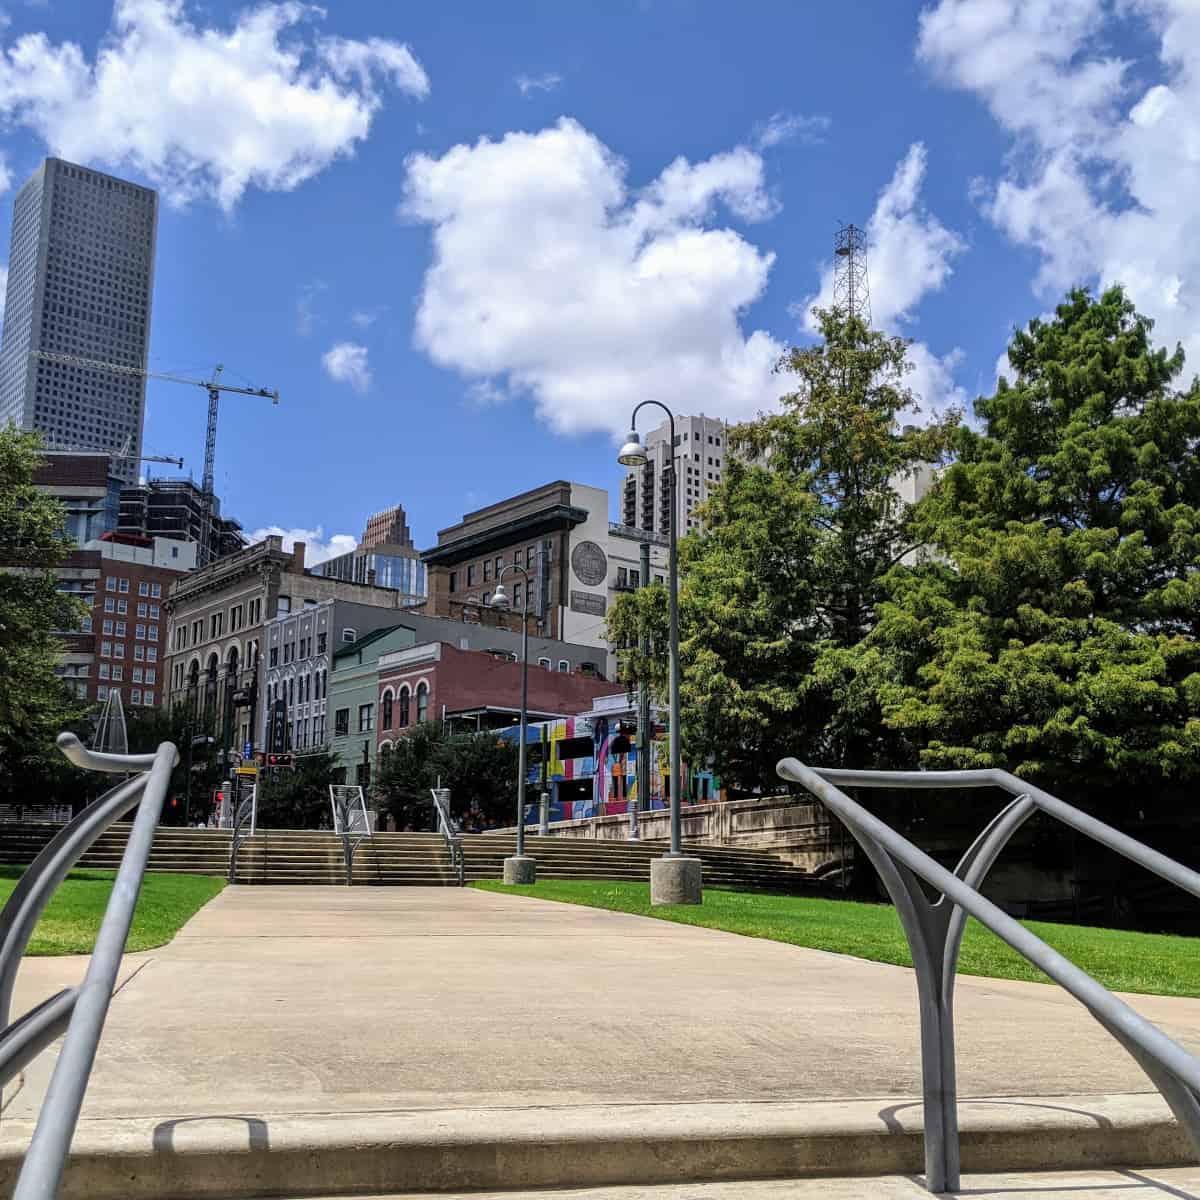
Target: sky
464, 239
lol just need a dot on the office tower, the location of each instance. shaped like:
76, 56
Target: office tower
699, 454
80, 280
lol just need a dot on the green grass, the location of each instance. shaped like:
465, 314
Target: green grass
1158, 963
72, 918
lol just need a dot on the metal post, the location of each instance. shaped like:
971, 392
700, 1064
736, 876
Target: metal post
645, 733
673, 595
524, 717
187, 783
544, 814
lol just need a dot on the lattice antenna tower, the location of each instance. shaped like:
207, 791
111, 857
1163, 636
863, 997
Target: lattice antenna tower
851, 287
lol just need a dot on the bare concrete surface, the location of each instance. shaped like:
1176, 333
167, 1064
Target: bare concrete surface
1076, 1185
419, 1021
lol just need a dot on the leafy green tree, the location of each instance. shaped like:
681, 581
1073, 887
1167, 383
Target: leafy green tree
147, 729
480, 769
34, 703
299, 799
1054, 634
786, 575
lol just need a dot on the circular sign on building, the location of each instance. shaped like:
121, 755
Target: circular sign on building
589, 564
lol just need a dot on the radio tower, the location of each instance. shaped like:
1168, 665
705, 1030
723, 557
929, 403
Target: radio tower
851, 291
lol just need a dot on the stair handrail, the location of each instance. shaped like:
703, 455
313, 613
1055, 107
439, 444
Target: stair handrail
446, 827
80, 1011
245, 814
934, 932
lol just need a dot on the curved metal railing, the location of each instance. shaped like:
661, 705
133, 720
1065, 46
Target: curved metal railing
934, 931
446, 827
80, 1011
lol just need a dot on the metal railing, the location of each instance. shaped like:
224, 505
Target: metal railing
245, 814
934, 931
81, 1010
446, 827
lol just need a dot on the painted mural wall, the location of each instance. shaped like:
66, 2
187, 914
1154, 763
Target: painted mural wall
590, 767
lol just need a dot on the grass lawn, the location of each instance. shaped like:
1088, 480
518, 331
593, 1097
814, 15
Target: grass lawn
1126, 962
72, 918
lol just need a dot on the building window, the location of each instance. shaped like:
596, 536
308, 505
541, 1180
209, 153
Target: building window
530, 555
545, 662
153, 631
156, 591
152, 654
139, 631
273, 656
108, 628
322, 641
422, 702
137, 674
118, 673
151, 675
563, 665
517, 595
349, 635
143, 588
155, 612
142, 610
454, 581
106, 649
122, 585
139, 653
341, 723
284, 604
148, 697
487, 569
135, 696
110, 583
366, 718
471, 575
386, 717
118, 649
121, 629
102, 693
403, 707
110, 605
104, 669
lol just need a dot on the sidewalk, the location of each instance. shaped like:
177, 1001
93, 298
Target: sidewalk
355, 1006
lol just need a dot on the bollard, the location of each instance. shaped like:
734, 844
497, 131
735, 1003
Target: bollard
544, 814
633, 821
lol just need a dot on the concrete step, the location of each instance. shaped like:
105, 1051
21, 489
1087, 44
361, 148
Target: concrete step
604, 1146
1149, 1183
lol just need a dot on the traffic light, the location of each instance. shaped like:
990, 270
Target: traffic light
281, 760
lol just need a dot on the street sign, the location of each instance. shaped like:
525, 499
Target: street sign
248, 750
252, 772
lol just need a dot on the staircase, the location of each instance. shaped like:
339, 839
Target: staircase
294, 856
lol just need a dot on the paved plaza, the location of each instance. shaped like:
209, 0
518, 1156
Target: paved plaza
444, 1009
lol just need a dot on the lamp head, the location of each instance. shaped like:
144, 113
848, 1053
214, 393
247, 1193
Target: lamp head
633, 453
499, 597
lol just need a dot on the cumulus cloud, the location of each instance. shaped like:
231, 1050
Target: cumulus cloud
1103, 168
910, 254
785, 127
347, 363
203, 111
537, 83
552, 278
317, 548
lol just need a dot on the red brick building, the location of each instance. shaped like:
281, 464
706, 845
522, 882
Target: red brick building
474, 689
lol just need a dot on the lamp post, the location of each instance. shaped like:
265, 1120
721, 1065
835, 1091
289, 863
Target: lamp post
674, 878
521, 868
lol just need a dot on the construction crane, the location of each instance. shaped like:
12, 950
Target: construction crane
214, 387
127, 455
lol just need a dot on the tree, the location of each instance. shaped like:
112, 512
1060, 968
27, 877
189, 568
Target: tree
1054, 635
787, 573
480, 769
147, 729
299, 799
34, 702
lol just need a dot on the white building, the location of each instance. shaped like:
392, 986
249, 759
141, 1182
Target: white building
80, 280
700, 451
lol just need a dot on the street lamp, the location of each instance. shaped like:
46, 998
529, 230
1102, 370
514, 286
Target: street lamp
674, 878
521, 868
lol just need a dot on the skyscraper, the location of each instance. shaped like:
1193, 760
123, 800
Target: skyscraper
699, 454
80, 281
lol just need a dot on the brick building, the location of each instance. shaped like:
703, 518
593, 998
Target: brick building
473, 689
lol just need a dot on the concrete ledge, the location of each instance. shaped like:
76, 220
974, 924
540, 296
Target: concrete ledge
453, 1150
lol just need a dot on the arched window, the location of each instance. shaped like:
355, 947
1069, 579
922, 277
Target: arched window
387, 711
422, 702
403, 707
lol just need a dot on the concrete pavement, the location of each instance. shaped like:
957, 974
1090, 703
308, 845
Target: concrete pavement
408, 1010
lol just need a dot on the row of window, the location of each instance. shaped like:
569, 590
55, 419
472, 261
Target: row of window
140, 653
141, 632
114, 583
308, 687
240, 616
136, 696
712, 440
139, 675
296, 651
490, 568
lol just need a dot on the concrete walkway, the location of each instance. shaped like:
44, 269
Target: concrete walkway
354, 1004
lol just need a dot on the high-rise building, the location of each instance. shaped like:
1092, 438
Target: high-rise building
700, 452
386, 557
80, 282
177, 508
387, 528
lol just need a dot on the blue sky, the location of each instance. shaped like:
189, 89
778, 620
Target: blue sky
462, 239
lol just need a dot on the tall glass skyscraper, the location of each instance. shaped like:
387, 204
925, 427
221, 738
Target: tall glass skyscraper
80, 283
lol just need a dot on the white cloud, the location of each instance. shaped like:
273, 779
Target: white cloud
306, 313
537, 83
347, 363
783, 127
550, 278
5, 173
910, 253
317, 548
202, 111
364, 318
1105, 166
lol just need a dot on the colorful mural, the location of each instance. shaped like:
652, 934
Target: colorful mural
589, 765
